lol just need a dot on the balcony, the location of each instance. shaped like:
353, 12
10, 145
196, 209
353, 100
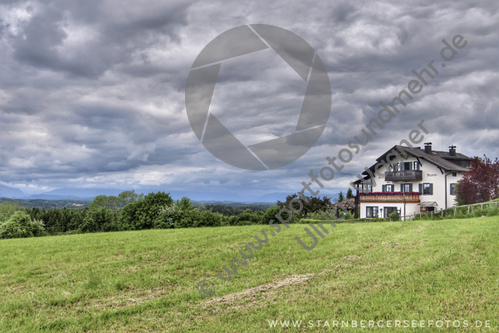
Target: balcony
411, 197
406, 175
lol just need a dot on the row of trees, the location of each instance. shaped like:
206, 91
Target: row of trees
132, 211
127, 211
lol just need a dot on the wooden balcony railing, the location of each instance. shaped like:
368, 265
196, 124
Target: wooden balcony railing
407, 175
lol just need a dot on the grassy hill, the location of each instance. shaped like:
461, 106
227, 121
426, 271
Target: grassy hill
147, 280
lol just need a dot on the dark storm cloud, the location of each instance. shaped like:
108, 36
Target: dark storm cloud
119, 30
91, 92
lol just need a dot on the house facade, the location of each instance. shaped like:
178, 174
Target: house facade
415, 180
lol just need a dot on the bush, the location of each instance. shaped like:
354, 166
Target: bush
20, 226
271, 212
313, 221
194, 219
394, 216
168, 216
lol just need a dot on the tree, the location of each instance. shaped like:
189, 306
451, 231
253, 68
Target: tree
480, 183
141, 214
341, 197
104, 201
7, 209
310, 205
115, 203
349, 194
201, 208
185, 204
100, 219
20, 226
126, 197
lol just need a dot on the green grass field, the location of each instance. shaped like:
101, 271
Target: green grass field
146, 281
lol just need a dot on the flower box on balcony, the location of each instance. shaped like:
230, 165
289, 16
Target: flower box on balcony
389, 196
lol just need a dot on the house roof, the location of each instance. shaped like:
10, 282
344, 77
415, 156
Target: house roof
439, 158
428, 204
347, 203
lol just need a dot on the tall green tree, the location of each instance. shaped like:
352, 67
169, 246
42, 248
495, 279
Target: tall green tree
310, 204
349, 194
185, 204
341, 197
141, 214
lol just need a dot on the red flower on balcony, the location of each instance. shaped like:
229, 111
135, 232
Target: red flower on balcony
388, 193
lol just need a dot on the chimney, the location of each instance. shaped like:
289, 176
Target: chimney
427, 147
452, 150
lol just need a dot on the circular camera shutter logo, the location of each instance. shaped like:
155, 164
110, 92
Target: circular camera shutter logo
217, 138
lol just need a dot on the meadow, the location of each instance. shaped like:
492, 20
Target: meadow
146, 281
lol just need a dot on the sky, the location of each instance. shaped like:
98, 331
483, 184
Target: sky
92, 92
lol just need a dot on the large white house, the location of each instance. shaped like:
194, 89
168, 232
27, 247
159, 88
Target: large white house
414, 180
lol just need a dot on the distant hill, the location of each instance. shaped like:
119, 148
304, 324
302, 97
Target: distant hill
281, 196
79, 193
88, 194
48, 203
44, 196
10, 192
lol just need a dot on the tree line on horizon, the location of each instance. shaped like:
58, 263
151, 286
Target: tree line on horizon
131, 211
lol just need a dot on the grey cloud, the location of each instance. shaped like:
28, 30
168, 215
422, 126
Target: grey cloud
91, 92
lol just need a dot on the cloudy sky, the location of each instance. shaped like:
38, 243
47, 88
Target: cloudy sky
92, 92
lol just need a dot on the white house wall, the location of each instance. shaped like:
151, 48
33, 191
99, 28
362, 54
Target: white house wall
431, 174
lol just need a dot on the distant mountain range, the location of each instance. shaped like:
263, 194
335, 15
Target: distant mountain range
90, 194
11, 192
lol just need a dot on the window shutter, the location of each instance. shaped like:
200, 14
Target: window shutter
451, 189
431, 189
402, 188
410, 187
420, 188
383, 188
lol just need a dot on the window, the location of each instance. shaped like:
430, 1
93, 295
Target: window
389, 210
416, 165
371, 211
427, 189
407, 166
453, 189
388, 188
407, 187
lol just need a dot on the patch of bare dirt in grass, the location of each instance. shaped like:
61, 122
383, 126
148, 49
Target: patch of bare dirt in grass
251, 293
352, 258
